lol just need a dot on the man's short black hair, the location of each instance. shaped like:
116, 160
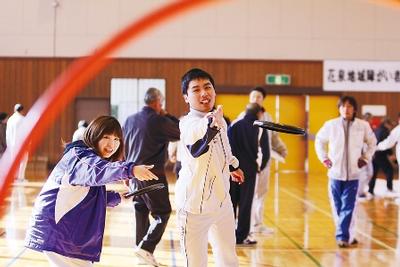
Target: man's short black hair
261, 90
194, 74
253, 109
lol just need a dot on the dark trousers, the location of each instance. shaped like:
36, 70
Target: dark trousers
242, 197
157, 205
381, 161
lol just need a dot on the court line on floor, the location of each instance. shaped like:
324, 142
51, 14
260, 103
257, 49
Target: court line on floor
171, 242
302, 249
309, 203
14, 259
382, 228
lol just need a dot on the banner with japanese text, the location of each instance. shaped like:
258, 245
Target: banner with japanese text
371, 76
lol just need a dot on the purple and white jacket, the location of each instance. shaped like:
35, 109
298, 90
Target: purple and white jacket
69, 213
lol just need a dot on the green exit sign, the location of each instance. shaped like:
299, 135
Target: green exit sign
277, 79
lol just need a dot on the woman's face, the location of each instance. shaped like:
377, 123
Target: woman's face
346, 111
108, 145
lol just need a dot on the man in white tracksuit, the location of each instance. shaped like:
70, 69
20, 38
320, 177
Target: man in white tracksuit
204, 207
257, 95
339, 146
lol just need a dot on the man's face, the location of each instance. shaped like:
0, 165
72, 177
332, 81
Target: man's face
200, 95
256, 97
346, 111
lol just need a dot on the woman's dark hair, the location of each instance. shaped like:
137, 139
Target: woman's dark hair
194, 74
98, 128
351, 100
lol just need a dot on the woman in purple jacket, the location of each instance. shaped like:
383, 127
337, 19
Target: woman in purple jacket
69, 214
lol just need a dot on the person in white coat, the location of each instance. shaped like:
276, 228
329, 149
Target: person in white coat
339, 146
12, 131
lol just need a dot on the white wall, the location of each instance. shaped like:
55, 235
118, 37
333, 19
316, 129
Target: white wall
236, 29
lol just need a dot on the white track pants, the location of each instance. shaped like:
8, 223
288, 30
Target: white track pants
218, 228
260, 191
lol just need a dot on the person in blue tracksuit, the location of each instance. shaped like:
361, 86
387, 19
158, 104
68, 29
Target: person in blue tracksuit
68, 218
344, 145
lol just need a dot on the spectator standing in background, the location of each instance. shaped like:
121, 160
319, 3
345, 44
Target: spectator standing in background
12, 132
244, 141
381, 160
3, 140
339, 146
147, 134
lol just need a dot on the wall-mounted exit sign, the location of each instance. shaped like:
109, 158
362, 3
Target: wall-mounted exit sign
277, 79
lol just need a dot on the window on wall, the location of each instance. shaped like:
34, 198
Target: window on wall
127, 95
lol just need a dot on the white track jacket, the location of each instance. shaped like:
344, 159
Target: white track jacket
206, 157
330, 144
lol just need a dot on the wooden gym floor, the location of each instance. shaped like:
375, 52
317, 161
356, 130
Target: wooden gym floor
297, 208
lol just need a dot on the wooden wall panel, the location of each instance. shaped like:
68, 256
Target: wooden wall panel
24, 80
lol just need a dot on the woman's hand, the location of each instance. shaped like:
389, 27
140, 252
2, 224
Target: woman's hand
142, 173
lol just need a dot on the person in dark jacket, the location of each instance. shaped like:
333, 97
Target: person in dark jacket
243, 138
380, 160
68, 218
147, 134
3, 126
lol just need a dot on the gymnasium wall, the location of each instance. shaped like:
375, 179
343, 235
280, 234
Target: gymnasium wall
234, 29
24, 79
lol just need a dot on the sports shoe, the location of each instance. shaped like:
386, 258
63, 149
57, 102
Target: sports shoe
146, 256
354, 242
262, 229
390, 193
246, 243
342, 244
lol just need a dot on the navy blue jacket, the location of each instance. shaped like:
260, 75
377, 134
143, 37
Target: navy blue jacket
243, 138
146, 136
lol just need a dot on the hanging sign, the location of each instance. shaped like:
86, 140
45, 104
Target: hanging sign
371, 76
